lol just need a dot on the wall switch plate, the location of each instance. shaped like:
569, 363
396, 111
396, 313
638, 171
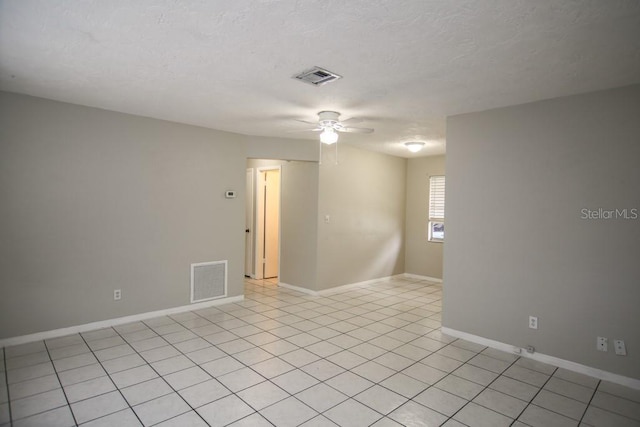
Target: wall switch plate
620, 348
117, 294
327, 219
533, 322
602, 344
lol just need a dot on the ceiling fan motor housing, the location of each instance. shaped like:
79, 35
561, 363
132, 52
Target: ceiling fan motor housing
329, 119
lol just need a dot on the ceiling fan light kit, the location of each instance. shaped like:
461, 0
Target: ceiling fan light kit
329, 126
328, 118
414, 146
329, 136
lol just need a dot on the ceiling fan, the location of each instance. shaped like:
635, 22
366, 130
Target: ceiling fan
329, 125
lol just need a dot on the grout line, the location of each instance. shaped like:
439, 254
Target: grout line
609, 410
239, 337
371, 360
350, 370
537, 393
235, 393
283, 301
110, 379
35, 378
485, 387
6, 383
214, 378
162, 376
447, 344
586, 408
66, 398
616, 396
249, 367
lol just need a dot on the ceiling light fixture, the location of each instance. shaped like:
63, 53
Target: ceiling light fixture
414, 146
329, 126
329, 136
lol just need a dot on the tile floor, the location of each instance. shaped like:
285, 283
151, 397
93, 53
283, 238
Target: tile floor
369, 356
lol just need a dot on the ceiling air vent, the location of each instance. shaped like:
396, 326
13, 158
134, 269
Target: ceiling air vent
317, 76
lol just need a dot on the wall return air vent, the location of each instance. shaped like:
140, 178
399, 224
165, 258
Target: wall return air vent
208, 281
317, 76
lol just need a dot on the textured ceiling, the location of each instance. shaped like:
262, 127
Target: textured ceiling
227, 64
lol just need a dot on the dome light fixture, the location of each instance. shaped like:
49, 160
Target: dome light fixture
414, 146
329, 136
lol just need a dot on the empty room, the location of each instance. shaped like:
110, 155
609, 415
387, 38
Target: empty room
320, 213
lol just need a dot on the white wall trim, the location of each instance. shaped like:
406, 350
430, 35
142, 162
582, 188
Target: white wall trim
298, 288
55, 333
419, 277
544, 358
339, 288
348, 286
249, 203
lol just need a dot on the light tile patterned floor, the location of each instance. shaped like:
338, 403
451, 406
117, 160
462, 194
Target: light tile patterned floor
372, 355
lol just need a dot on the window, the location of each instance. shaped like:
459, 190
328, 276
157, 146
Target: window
436, 208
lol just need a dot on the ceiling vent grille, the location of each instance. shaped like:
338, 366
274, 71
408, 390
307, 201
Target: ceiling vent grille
317, 76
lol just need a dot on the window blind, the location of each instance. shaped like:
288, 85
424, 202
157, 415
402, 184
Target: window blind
436, 197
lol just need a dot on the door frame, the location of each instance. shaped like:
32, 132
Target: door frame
250, 224
259, 222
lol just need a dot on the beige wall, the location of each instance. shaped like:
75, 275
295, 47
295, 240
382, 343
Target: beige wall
258, 147
299, 207
94, 200
517, 181
421, 256
364, 195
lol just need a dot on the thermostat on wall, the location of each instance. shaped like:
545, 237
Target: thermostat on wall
230, 194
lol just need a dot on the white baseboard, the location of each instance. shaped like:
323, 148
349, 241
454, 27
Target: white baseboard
544, 358
55, 333
298, 288
419, 277
340, 288
348, 286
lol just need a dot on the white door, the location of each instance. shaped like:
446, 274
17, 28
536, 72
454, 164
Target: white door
248, 224
271, 224
267, 229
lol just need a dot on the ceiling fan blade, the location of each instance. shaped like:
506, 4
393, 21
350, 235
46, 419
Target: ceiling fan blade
303, 130
352, 120
307, 122
356, 130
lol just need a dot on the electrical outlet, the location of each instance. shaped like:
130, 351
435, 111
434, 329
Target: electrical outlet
620, 348
602, 344
533, 322
117, 294
530, 349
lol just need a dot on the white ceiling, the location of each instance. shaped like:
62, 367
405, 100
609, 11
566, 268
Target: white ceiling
228, 64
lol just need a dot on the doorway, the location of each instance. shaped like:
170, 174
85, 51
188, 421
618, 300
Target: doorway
264, 203
248, 225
